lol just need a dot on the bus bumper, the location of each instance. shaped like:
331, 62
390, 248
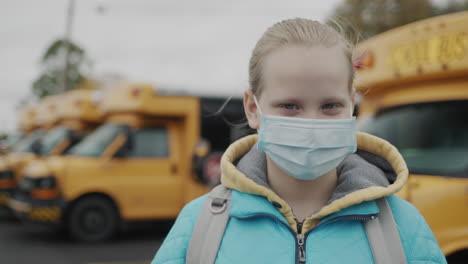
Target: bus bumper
43, 211
5, 195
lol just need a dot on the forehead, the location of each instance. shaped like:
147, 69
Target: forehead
294, 67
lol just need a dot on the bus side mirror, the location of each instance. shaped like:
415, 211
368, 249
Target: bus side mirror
74, 136
127, 146
36, 147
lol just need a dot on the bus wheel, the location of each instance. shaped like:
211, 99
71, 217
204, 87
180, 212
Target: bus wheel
92, 219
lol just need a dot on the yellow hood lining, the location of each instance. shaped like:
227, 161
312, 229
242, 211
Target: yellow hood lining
234, 179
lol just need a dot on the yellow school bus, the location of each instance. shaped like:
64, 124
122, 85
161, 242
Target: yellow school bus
414, 81
140, 165
63, 120
12, 165
27, 119
26, 124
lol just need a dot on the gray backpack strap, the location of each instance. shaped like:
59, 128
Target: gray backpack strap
383, 236
209, 228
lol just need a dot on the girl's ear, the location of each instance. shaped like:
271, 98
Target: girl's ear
250, 109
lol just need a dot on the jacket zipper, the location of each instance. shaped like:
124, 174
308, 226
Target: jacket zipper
300, 241
301, 249
302, 238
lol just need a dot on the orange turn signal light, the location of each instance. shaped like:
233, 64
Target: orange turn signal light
45, 194
7, 183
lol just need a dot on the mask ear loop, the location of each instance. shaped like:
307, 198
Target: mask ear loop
258, 106
261, 114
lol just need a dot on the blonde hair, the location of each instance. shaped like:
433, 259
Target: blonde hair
297, 31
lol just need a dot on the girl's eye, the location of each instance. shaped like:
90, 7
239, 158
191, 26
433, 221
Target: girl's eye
289, 106
330, 106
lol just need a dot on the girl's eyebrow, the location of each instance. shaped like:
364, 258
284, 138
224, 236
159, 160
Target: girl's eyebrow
334, 98
296, 100
289, 100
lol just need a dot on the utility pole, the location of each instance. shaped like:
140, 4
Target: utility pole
68, 29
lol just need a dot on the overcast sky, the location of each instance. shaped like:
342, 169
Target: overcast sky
199, 46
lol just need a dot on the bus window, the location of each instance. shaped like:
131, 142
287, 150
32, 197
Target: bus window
27, 144
432, 137
52, 139
95, 144
150, 142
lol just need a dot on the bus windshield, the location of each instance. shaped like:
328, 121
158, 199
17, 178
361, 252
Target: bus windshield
95, 144
27, 143
432, 137
52, 139
13, 139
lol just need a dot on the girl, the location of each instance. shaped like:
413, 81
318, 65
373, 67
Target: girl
303, 189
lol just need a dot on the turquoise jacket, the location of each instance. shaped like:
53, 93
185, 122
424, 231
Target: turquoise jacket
262, 227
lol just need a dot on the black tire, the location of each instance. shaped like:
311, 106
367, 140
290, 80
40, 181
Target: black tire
92, 219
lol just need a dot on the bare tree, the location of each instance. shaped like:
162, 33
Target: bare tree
371, 17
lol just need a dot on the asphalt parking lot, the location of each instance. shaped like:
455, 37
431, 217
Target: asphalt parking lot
24, 243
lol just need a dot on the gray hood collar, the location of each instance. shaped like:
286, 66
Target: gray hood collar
356, 172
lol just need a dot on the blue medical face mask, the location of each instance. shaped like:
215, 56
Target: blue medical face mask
306, 148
